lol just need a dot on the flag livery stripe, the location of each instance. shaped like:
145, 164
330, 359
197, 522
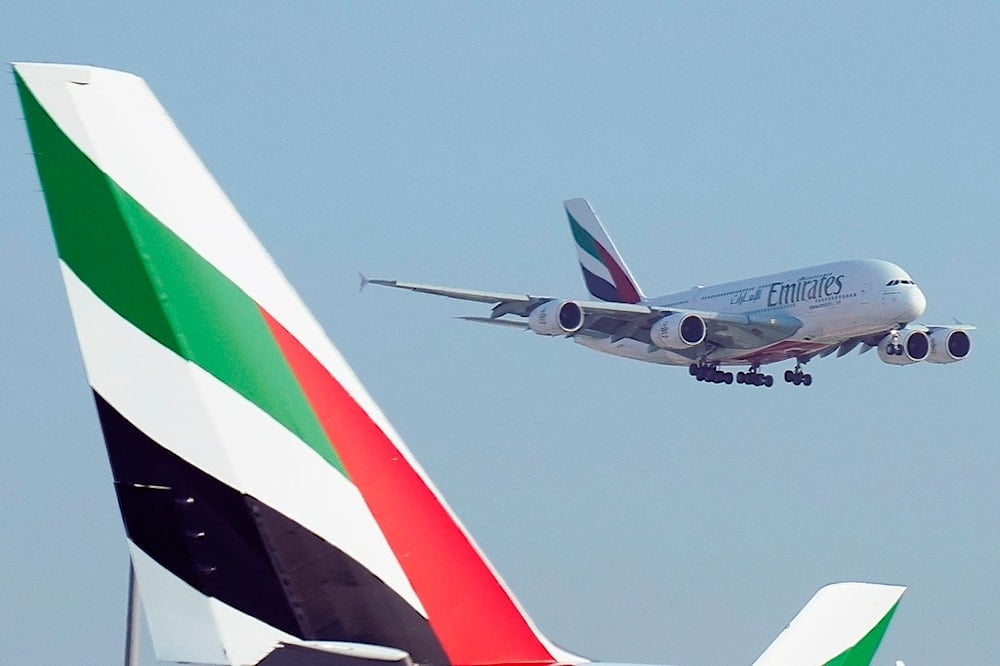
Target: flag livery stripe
439, 557
224, 434
161, 284
230, 546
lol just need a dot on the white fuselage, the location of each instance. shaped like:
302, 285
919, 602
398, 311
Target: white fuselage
835, 302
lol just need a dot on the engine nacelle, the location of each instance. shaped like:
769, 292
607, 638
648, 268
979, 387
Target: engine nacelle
911, 346
556, 318
949, 345
678, 331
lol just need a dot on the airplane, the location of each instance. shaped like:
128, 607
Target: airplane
273, 515
800, 314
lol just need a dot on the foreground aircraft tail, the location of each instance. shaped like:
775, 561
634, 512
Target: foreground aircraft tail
604, 271
271, 510
842, 625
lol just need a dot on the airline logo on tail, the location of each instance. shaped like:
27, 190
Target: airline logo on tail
606, 275
265, 498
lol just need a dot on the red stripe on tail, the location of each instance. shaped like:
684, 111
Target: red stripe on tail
626, 290
472, 614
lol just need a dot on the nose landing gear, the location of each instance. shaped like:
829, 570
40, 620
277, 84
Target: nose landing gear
894, 348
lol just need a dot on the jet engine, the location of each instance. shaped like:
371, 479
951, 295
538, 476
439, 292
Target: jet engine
911, 346
556, 318
948, 345
678, 331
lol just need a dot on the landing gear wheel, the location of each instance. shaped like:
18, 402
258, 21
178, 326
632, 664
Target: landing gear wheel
797, 377
754, 378
704, 372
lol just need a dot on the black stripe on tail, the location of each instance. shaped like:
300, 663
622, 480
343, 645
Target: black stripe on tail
233, 547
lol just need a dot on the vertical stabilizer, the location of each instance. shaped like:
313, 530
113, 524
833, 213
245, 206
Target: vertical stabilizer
842, 625
266, 499
604, 271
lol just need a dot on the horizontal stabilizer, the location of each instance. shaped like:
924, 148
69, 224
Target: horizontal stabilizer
312, 653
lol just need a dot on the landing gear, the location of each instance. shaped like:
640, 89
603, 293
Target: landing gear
797, 377
709, 372
894, 348
704, 372
754, 378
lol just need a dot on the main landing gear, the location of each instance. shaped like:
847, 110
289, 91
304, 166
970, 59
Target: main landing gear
754, 378
709, 373
706, 372
797, 377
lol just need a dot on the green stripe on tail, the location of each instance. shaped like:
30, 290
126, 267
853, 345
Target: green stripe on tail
148, 275
863, 652
584, 239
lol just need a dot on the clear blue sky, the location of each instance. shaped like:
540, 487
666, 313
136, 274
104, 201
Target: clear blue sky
637, 514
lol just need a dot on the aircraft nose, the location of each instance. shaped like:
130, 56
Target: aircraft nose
914, 304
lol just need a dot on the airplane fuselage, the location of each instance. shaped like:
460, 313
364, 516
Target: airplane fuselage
835, 302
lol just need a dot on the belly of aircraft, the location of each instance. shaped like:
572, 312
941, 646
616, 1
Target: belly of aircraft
822, 328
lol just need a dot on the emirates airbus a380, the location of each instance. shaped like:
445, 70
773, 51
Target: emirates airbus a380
795, 316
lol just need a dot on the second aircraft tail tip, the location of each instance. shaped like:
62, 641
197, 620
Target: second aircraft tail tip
604, 271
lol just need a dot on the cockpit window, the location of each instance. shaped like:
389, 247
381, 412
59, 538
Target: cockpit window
893, 283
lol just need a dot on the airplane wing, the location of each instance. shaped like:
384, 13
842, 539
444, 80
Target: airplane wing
617, 321
521, 304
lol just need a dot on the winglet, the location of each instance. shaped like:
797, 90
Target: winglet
364, 282
842, 624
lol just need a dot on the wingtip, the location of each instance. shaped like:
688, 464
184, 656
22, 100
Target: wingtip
364, 282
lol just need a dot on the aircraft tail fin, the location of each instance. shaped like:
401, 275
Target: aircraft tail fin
605, 273
266, 499
842, 625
